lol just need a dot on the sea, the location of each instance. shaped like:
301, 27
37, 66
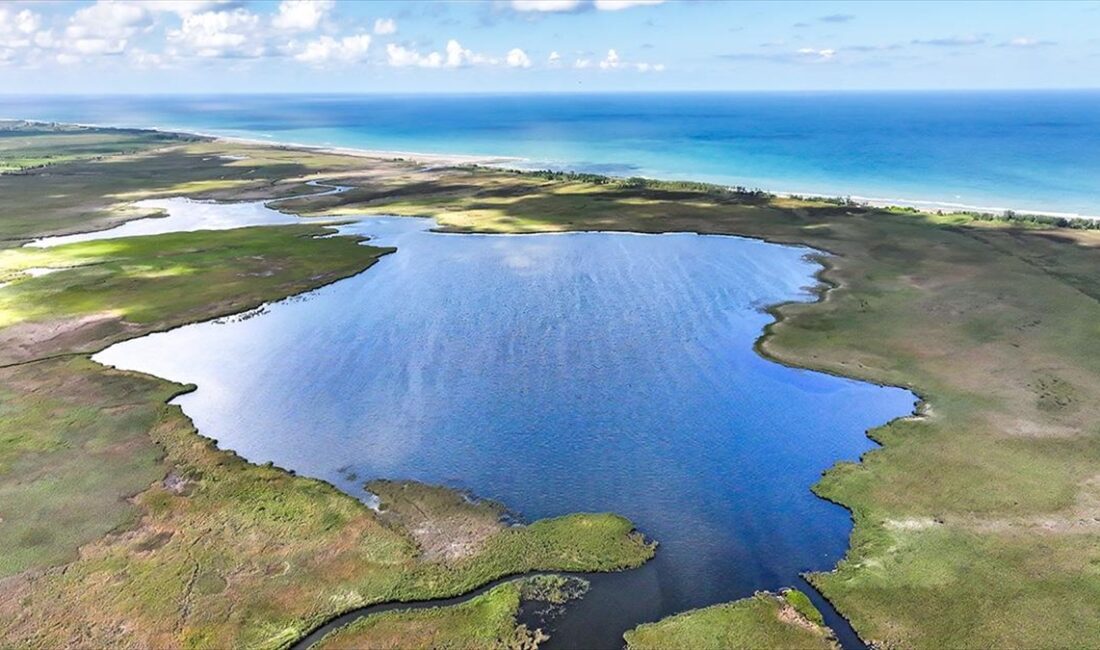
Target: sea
1035, 151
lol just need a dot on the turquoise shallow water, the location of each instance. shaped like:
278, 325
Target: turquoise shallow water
1035, 151
555, 373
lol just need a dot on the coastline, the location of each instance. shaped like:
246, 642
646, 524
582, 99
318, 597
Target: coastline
456, 159
842, 333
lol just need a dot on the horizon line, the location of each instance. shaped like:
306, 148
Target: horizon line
459, 93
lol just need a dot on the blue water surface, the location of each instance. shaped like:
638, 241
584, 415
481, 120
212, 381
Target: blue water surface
555, 373
1036, 151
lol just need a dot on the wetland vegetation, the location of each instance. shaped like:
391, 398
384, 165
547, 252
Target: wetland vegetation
121, 526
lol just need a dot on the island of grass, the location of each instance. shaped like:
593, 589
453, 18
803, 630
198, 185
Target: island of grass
980, 513
487, 621
766, 620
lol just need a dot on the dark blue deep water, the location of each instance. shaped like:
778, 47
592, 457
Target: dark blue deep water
555, 373
1037, 151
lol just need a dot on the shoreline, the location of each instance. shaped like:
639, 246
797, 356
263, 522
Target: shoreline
923, 205
815, 293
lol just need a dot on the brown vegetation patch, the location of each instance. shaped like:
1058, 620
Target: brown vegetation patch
33, 340
446, 525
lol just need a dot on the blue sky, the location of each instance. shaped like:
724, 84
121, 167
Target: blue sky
163, 46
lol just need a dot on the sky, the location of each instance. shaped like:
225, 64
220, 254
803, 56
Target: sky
218, 46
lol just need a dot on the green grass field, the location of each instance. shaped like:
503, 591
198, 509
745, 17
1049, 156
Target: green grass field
765, 620
487, 621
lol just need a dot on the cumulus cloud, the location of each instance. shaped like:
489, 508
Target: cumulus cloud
301, 15
385, 26
458, 56
103, 28
348, 49
218, 34
18, 29
400, 57
517, 58
454, 55
610, 61
554, 59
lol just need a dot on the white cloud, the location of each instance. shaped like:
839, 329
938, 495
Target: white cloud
142, 59
179, 7
301, 15
400, 57
349, 49
456, 54
385, 26
17, 30
817, 55
27, 22
218, 34
103, 28
554, 59
611, 61
1026, 42
545, 5
617, 5
517, 58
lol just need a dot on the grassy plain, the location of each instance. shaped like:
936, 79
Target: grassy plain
25, 145
763, 621
979, 515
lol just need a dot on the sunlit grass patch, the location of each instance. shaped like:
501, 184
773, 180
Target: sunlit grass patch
765, 620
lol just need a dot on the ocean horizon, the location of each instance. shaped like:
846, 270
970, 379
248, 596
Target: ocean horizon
1028, 151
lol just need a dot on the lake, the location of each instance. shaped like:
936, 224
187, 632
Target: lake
556, 373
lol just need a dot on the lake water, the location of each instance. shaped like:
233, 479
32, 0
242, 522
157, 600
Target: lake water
1037, 151
555, 373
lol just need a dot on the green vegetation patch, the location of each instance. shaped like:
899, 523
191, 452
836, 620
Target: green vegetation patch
29, 145
105, 290
70, 455
487, 621
762, 621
